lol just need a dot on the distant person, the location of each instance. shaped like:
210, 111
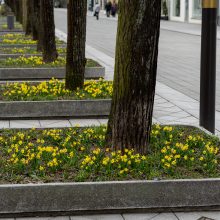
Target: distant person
97, 10
108, 8
114, 9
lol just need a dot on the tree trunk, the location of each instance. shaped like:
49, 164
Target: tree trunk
35, 19
135, 75
16, 9
28, 13
49, 45
20, 11
25, 11
75, 59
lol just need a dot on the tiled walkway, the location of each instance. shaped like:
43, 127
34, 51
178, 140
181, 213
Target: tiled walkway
144, 216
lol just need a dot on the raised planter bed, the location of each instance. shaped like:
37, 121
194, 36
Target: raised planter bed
5, 31
5, 56
45, 73
109, 197
27, 45
11, 32
54, 109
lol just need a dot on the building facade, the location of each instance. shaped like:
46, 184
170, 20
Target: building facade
185, 10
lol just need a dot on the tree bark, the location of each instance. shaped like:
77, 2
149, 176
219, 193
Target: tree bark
35, 19
16, 9
75, 59
49, 44
20, 11
135, 75
27, 12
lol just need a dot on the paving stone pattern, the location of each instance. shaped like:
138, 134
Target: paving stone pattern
144, 216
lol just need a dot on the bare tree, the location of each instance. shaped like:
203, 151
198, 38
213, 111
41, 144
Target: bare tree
48, 31
135, 75
75, 60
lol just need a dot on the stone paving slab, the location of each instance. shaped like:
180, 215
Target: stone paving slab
25, 124
146, 216
164, 216
188, 216
45, 218
4, 124
97, 217
84, 122
215, 215
103, 121
55, 123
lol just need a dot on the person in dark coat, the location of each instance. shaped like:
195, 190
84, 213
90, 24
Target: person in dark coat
114, 9
108, 8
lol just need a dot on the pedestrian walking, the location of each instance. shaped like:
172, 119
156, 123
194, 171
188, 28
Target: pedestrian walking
108, 8
96, 11
114, 9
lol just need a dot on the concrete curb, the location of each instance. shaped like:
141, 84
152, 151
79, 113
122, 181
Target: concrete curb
54, 109
46, 73
5, 31
96, 197
11, 32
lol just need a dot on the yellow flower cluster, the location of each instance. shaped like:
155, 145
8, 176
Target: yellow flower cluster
14, 36
47, 150
193, 150
121, 162
55, 89
81, 154
96, 89
19, 41
33, 61
28, 50
24, 91
23, 50
17, 26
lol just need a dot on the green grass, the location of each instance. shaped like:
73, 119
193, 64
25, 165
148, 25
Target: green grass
34, 61
16, 26
81, 154
21, 39
54, 90
27, 50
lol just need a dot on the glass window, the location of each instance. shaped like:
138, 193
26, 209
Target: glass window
176, 8
197, 9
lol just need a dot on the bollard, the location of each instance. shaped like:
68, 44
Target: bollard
10, 21
208, 65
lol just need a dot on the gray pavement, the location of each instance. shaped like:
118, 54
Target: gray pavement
177, 108
179, 51
144, 216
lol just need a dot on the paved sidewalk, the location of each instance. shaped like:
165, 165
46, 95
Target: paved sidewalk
144, 216
171, 106
181, 27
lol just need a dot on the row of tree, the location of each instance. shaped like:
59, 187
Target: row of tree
37, 17
135, 63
